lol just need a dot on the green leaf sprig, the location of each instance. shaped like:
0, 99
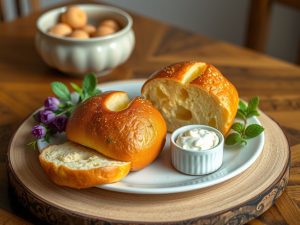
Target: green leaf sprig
241, 131
89, 87
70, 101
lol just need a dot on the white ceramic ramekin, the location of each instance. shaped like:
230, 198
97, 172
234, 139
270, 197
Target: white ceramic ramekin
196, 162
78, 57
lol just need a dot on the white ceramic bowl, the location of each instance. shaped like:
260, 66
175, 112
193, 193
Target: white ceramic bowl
196, 162
77, 57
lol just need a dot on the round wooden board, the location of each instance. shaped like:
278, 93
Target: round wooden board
235, 201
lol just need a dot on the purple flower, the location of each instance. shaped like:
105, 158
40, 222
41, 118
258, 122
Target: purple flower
59, 123
51, 103
38, 131
47, 116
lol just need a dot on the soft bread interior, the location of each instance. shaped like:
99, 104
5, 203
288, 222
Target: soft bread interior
75, 156
117, 101
183, 103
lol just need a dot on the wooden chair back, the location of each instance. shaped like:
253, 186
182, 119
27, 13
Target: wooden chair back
19, 11
259, 21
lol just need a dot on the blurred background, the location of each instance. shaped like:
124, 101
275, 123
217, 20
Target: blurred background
223, 20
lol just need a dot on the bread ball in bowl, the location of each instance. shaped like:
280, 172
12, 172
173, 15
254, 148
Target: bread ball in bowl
90, 29
61, 29
110, 23
132, 131
75, 17
103, 31
80, 34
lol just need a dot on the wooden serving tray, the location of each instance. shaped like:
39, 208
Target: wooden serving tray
235, 201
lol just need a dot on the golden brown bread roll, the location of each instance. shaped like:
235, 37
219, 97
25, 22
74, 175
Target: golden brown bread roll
122, 130
79, 34
75, 17
60, 29
193, 93
110, 23
90, 29
103, 31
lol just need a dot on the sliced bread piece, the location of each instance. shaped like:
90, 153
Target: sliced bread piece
73, 165
193, 93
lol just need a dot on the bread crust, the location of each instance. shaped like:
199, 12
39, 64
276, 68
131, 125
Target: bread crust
174, 71
135, 134
225, 93
209, 80
76, 178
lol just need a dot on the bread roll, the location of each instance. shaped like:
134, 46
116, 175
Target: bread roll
60, 29
122, 130
193, 93
79, 34
76, 166
75, 17
110, 23
90, 29
103, 31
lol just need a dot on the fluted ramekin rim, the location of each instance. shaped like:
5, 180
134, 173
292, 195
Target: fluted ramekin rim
182, 129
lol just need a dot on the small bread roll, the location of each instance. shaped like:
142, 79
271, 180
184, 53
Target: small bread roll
103, 31
60, 29
110, 23
90, 29
80, 34
75, 17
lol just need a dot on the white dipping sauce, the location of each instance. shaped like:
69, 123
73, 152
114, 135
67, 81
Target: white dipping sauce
197, 139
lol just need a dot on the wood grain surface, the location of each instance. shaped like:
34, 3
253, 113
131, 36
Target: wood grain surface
24, 84
233, 202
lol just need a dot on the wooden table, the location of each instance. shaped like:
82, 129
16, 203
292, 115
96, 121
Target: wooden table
24, 84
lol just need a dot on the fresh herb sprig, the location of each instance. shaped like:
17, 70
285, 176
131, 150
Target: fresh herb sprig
241, 131
71, 100
54, 116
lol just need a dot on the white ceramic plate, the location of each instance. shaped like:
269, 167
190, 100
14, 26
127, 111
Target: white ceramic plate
160, 177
